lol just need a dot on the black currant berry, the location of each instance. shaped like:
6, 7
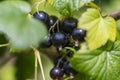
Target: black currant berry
69, 71
60, 60
69, 53
42, 16
46, 43
58, 39
76, 48
79, 34
69, 24
56, 73
53, 20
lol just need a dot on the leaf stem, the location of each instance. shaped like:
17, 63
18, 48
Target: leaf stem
37, 53
36, 66
36, 5
3, 45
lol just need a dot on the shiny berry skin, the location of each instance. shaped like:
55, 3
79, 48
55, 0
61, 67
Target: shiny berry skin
69, 24
69, 71
42, 16
58, 39
53, 20
56, 73
52, 23
78, 34
46, 43
60, 60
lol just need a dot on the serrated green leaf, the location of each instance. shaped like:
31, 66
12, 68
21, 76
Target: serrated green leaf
99, 29
21, 31
44, 6
99, 64
68, 7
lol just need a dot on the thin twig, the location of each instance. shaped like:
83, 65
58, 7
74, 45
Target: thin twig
3, 45
53, 25
5, 59
115, 15
36, 66
37, 53
36, 5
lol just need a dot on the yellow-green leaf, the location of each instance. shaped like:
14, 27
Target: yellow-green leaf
50, 1
47, 6
99, 29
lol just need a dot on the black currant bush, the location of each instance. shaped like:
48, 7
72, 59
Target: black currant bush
59, 40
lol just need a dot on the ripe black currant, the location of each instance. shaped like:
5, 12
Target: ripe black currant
69, 53
53, 20
69, 24
69, 71
60, 60
46, 43
56, 73
76, 48
58, 39
42, 16
78, 34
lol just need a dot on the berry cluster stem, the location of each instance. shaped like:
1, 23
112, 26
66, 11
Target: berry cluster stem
37, 54
36, 4
53, 25
36, 66
3, 45
115, 15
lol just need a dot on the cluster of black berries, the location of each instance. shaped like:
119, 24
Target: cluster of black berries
62, 33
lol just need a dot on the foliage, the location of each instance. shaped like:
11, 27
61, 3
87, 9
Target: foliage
99, 56
68, 7
19, 31
99, 29
100, 64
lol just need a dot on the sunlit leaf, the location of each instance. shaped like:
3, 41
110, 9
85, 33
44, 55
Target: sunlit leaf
68, 7
44, 6
99, 29
8, 71
50, 1
100, 64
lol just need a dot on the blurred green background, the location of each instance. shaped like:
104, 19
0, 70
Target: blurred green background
21, 66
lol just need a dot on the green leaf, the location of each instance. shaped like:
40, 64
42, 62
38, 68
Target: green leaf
21, 31
99, 29
25, 60
8, 71
44, 6
118, 34
99, 64
81, 76
22, 5
68, 7
93, 5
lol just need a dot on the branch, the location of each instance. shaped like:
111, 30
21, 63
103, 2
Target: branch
115, 15
5, 58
